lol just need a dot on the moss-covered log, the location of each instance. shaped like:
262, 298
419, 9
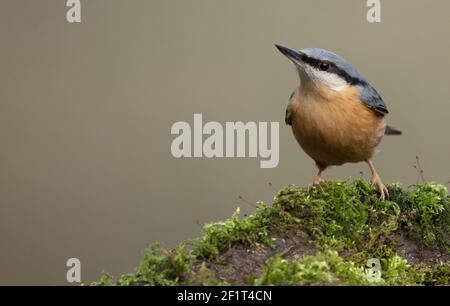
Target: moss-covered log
315, 236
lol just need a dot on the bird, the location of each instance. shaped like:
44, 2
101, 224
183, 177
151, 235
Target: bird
336, 116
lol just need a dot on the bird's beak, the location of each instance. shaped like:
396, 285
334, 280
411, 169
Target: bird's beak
295, 56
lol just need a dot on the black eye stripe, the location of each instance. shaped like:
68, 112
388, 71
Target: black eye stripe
313, 62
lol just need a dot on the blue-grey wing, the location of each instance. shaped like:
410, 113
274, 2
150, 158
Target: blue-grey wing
370, 97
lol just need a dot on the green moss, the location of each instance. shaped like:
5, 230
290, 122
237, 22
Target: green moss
220, 235
426, 214
323, 269
341, 215
328, 268
203, 277
162, 267
341, 218
397, 271
351, 216
159, 267
438, 275
105, 280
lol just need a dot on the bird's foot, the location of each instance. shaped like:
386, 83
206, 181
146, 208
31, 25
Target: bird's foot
377, 183
318, 181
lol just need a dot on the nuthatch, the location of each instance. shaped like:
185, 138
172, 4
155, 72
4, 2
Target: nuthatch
336, 116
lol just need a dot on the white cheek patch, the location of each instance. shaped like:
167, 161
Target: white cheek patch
330, 80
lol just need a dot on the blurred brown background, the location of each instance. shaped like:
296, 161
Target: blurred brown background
86, 110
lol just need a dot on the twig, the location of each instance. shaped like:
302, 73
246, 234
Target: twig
270, 184
247, 202
418, 167
199, 224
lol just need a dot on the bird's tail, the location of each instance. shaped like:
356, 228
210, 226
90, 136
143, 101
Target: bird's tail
390, 130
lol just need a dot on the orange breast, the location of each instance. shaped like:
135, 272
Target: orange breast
333, 127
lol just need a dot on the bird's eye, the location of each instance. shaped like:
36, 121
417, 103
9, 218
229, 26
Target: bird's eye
324, 66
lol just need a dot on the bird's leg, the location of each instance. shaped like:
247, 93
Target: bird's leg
318, 179
376, 181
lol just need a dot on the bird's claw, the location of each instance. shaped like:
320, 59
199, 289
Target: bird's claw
377, 183
318, 181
